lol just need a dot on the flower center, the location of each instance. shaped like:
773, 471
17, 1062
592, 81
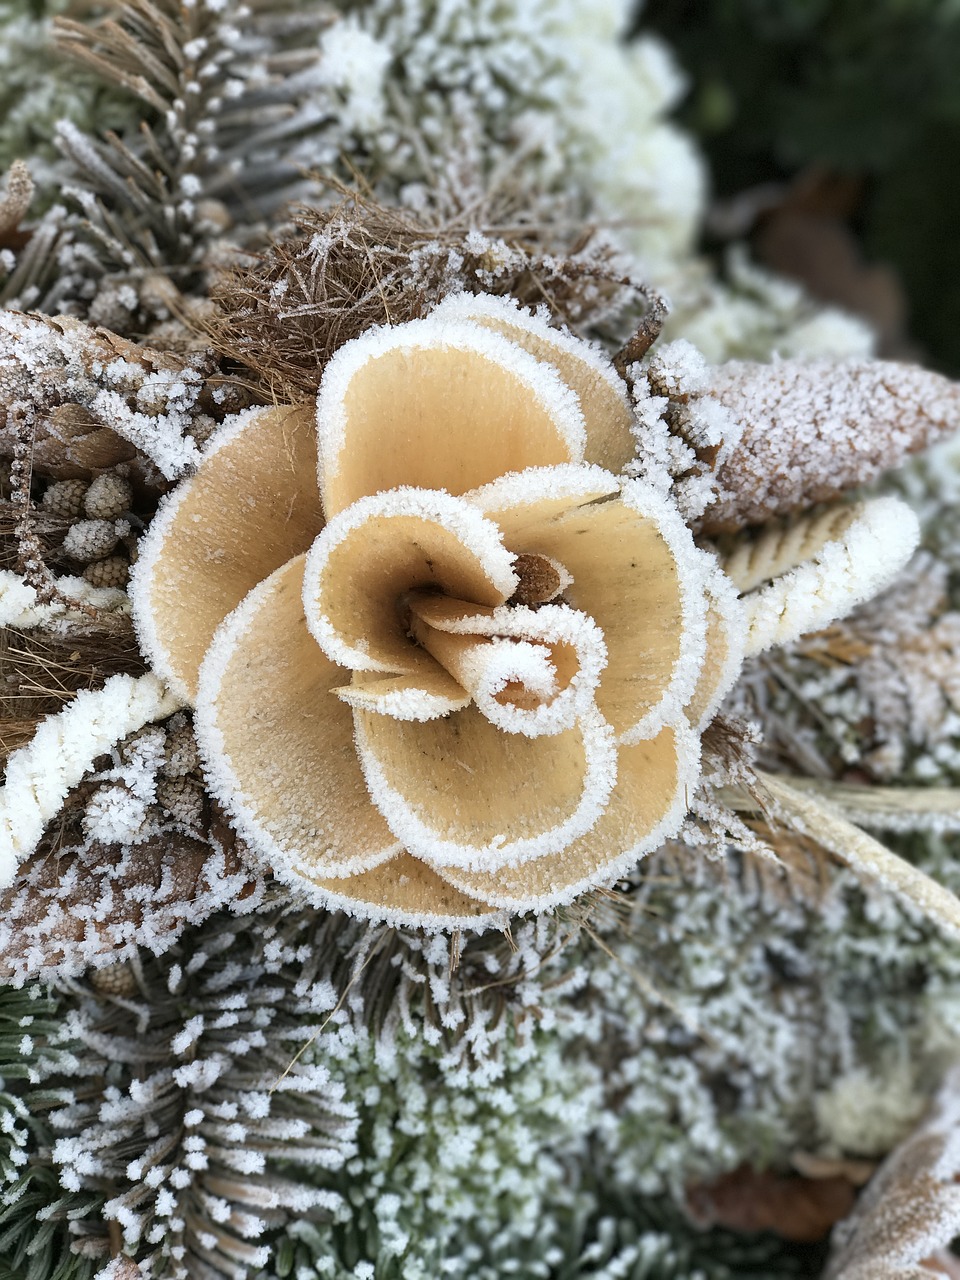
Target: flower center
513, 672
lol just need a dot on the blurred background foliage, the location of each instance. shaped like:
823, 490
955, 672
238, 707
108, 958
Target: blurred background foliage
842, 115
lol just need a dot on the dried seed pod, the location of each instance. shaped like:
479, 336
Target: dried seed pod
813, 429
91, 540
183, 801
109, 496
114, 980
180, 750
112, 572
65, 498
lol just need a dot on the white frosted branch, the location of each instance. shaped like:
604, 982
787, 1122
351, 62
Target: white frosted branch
41, 774
846, 566
20, 608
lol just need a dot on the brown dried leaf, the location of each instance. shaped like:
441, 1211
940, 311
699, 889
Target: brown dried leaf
84, 392
814, 429
795, 1208
910, 1211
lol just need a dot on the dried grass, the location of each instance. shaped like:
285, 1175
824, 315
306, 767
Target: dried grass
355, 264
42, 671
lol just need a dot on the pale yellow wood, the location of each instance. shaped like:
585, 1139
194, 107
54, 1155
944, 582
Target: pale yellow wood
252, 504
601, 391
355, 587
626, 578
651, 782
406, 888
279, 746
464, 782
441, 416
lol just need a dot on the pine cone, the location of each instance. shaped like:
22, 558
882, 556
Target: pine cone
183, 801
814, 429
90, 540
109, 496
64, 498
112, 572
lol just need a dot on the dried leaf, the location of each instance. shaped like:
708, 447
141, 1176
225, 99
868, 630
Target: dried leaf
911, 1209
801, 1209
89, 399
96, 903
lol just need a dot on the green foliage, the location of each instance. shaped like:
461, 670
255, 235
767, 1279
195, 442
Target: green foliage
39, 88
35, 1211
866, 87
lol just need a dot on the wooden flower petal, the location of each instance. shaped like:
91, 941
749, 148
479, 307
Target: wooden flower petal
252, 504
723, 659
425, 696
384, 546
654, 779
521, 502
572, 642
278, 746
600, 390
637, 573
461, 792
438, 406
405, 891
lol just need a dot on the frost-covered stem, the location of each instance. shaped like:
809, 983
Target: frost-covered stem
40, 775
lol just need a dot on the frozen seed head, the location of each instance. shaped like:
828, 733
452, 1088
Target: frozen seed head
90, 540
64, 498
114, 571
810, 430
182, 799
114, 980
108, 496
180, 749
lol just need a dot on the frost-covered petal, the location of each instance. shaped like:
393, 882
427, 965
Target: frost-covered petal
654, 779
438, 405
571, 642
519, 502
384, 546
637, 573
461, 792
586, 371
251, 505
278, 747
723, 659
404, 891
425, 696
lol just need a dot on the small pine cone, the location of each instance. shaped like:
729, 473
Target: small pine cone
112, 572
64, 498
183, 801
114, 980
109, 496
202, 428
181, 752
91, 540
